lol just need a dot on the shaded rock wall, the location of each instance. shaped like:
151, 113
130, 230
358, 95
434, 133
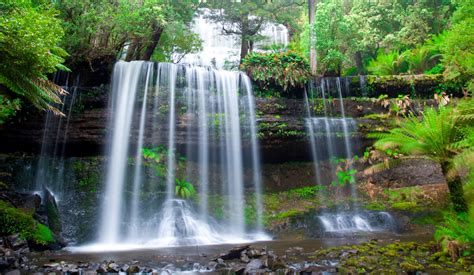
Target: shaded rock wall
281, 124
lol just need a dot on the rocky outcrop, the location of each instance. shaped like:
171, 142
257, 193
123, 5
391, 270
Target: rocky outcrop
281, 127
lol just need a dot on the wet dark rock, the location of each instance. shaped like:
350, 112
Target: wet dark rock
14, 242
238, 269
212, 265
113, 268
3, 264
52, 212
254, 253
13, 272
253, 265
133, 269
234, 253
244, 258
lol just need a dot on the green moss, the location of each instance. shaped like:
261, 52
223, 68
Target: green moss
18, 221
376, 206
53, 217
308, 191
376, 116
411, 266
407, 205
287, 214
43, 234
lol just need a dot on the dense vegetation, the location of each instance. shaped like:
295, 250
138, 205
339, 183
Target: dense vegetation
29, 37
394, 37
394, 41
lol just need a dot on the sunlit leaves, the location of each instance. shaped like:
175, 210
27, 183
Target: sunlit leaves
29, 36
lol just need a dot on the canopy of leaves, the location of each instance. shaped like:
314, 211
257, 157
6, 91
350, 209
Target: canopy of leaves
350, 33
101, 30
29, 36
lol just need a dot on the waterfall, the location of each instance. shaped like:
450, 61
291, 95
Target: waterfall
330, 138
203, 122
50, 165
357, 222
220, 50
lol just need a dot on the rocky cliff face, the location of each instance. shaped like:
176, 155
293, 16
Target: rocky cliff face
281, 127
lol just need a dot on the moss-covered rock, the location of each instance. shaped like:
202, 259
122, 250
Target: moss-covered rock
20, 221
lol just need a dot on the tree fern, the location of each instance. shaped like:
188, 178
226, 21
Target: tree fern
392, 63
441, 135
29, 37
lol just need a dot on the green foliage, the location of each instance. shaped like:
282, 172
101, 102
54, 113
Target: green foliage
350, 33
288, 214
157, 159
29, 38
17, 221
285, 69
8, 108
376, 206
184, 189
88, 175
43, 234
308, 191
332, 30
456, 46
391, 63
176, 41
405, 205
440, 135
420, 60
345, 174
345, 177
458, 227
100, 30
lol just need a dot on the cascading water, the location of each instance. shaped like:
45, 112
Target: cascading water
50, 166
357, 222
221, 50
196, 110
331, 138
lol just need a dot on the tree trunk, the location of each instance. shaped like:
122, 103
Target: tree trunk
245, 43
455, 190
155, 38
359, 63
312, 37
244, 49
132, 48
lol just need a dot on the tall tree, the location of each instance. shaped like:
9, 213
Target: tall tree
100, 31
312, 52
247, 18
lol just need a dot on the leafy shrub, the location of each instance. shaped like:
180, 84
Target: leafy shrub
283, 69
